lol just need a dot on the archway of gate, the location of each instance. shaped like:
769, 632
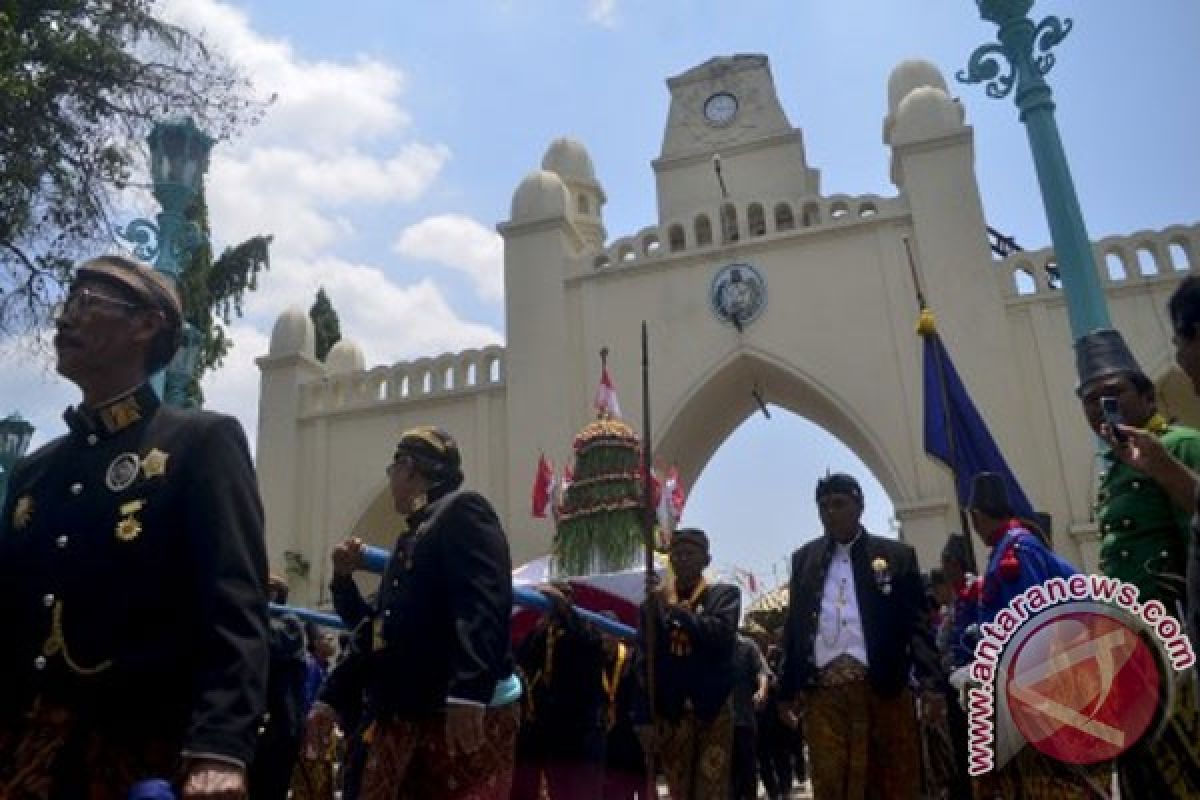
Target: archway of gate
756, 518
709, 411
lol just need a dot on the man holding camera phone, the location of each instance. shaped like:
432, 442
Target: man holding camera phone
1144, 530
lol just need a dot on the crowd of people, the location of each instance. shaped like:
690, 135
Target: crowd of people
133, 576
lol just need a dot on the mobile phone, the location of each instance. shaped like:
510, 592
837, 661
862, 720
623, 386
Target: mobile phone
1111, 410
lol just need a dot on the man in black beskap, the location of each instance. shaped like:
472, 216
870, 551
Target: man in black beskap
132, 571
437, 648
751, 683
695, 630
855, 631
563, 732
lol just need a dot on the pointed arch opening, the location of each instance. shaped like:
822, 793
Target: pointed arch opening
752, 529
721, 400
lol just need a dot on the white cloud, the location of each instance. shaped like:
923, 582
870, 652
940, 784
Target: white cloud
318, 103
460, 243
336, 135
291, 193
233, 388
336, 142
389, 321
602, 12
33, 389
245, 199
353, 176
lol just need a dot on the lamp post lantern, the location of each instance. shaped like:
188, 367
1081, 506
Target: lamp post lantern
1020, 60
178, 160
15, 433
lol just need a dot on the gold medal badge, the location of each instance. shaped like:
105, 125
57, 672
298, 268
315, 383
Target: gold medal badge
154, 463
23, 512
129, 527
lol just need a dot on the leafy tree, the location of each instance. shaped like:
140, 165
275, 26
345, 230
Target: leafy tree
213, 292
81, 84
326, 323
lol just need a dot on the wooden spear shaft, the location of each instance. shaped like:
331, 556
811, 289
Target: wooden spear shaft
649, 635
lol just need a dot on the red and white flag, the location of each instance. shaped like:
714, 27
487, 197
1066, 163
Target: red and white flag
543, 488
662, 505
668, 499
745, 578
674, 491
606, 396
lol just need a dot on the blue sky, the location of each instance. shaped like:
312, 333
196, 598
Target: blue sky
402, 129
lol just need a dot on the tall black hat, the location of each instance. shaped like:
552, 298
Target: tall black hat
989, 495
1103, 354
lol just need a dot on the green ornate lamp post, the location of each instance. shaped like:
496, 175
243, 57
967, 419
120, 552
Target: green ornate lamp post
178, 160
1021, 59
15, 433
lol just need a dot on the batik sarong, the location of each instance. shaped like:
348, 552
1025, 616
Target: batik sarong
859, 740
1032, 775
312, 777
1169, 766
696, 755
409, 760
50, 753
939, 769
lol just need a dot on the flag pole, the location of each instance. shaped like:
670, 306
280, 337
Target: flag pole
923, 307
649, 635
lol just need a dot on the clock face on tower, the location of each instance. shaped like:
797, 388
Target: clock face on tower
720, 108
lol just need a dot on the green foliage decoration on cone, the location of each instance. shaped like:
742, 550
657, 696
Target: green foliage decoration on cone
600, 518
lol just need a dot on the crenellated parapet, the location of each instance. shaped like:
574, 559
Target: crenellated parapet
1141, 258
462, 373
744, 222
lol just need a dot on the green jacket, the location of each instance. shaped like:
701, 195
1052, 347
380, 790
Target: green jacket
1143, 537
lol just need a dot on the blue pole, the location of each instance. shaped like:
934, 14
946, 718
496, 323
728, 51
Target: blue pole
522, 596
174, 245
309, 615
1021, 60
179, 158
375, 559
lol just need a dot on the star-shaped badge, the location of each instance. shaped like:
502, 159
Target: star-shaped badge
154, 463
129, 529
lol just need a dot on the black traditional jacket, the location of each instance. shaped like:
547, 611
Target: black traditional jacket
133, 577
702, 678
563, 663
439, 627
891, 606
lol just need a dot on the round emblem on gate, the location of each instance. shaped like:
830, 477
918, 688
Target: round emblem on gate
122, 472
738, 294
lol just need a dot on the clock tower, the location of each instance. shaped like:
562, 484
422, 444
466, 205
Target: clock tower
728, 107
